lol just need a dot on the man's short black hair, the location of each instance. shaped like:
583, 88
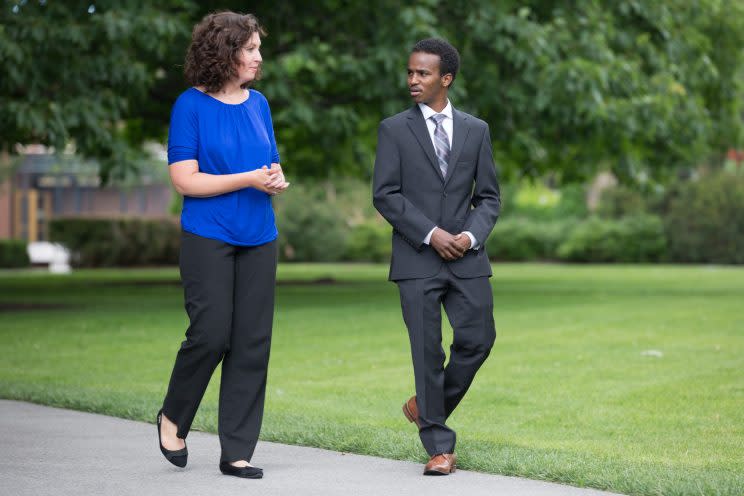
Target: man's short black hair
449, 58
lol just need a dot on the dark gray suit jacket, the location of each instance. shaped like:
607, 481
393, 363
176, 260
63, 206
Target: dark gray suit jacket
410, 192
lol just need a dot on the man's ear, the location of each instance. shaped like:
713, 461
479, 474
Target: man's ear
447, 80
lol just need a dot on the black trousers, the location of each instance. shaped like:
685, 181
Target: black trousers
469, 307
229, 298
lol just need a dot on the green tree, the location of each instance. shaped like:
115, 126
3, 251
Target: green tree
642, 86
80, 73
332, 71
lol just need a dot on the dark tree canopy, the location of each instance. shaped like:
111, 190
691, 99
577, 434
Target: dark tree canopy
640, 86
80, 73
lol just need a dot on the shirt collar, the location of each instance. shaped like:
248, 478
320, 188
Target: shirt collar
428, 111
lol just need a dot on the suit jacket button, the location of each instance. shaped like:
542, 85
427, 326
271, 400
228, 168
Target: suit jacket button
444, 194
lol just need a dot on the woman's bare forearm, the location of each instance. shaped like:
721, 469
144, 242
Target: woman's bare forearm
203, 185
188, 181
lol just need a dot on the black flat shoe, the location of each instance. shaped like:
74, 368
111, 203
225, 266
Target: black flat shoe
244, 472
176, 457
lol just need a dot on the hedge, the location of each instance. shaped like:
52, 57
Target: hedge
704, 220
523, 239
633, 239
118, 242
370, 241
13, 254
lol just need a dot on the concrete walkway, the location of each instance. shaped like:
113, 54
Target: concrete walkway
50, 451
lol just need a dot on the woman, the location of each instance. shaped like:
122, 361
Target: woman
223, 159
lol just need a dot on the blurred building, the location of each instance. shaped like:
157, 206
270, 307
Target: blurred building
42, 186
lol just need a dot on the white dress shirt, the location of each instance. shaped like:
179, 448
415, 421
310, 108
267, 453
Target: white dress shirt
448, 125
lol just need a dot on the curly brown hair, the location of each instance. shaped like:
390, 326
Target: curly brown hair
213, 56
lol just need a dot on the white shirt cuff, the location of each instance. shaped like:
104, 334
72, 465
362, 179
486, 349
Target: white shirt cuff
427, 239
473, 243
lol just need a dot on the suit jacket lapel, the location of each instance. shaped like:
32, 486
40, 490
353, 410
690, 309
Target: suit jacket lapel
418, 127
460, 129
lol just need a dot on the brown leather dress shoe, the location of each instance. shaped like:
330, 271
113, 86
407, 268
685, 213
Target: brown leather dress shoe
443, 464
410, 410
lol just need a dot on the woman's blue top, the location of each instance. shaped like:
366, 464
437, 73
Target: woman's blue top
225, 139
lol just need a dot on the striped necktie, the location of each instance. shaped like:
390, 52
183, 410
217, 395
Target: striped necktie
441, 143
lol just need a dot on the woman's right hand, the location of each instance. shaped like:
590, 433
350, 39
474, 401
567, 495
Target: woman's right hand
262, 179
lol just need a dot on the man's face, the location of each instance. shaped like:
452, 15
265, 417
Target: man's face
424, 81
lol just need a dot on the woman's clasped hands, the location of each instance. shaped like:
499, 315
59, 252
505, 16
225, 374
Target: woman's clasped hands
270, 180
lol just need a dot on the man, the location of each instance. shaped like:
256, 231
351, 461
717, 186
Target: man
435, 183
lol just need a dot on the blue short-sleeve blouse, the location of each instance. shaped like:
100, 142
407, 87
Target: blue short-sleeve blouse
225, 139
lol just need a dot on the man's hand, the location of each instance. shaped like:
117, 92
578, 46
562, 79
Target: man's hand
449, 247
463, 240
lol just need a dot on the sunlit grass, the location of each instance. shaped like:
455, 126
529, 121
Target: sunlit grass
629, 378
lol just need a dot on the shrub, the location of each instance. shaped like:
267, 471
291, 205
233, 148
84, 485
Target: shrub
508, 193
118, 242
311, 228
632, 239
572, 202
13, 254
621, 201
521, 239
533, 200
538, 202
705, 220
370, 241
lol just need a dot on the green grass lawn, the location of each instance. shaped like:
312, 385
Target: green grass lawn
628, 378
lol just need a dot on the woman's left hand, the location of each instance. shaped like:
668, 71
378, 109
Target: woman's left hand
276, 183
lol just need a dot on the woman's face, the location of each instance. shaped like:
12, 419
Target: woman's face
250, 59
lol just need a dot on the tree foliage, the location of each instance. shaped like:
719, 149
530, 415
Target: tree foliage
642, 86
79, 73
